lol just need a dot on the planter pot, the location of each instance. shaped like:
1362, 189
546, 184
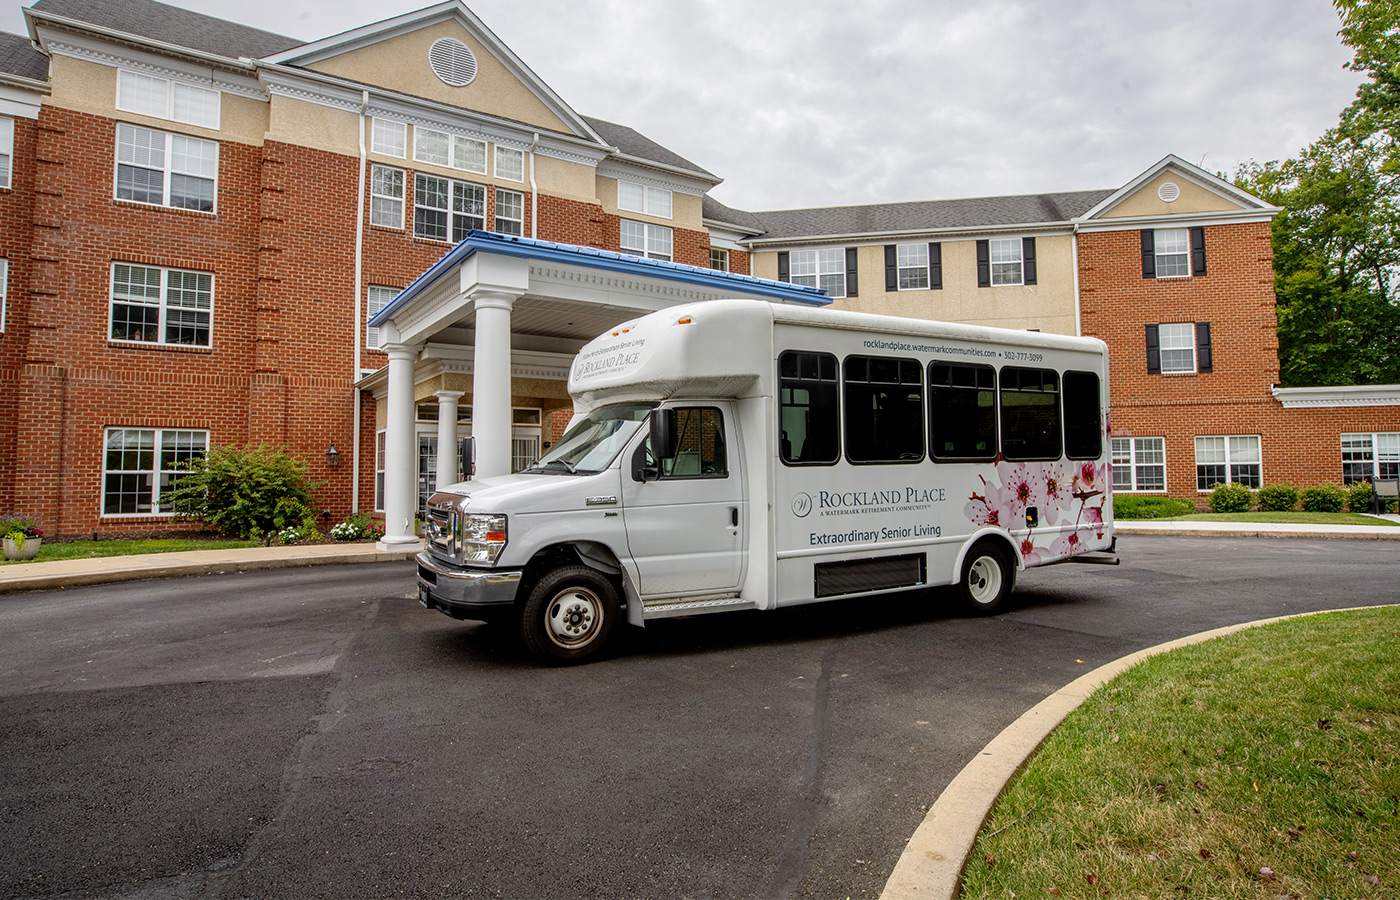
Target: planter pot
31, 548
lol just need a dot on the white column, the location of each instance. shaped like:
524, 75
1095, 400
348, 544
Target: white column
447, 437
400, 454
491, 383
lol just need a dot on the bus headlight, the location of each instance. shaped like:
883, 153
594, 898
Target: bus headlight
483, 537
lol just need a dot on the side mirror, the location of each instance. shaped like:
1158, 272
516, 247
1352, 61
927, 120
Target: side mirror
663, 434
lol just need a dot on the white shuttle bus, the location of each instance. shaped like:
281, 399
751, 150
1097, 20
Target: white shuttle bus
738, 454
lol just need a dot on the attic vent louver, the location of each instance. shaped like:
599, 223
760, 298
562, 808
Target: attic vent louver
1168, 192
452, 61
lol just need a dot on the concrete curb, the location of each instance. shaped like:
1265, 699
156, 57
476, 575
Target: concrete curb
932, 863
37, 576
1243, 529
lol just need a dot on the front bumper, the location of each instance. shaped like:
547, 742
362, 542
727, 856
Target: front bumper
465, 593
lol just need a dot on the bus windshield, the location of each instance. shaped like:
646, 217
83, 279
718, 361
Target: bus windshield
594, 441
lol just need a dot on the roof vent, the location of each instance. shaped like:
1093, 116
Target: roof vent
452, 61
1166, 193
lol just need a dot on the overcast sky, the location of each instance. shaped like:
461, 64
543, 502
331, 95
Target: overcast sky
800, 103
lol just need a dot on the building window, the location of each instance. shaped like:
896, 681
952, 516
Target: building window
1180, 348
7, 151
824, 268
1367, 457
1139, 464
1173, 251
161, 306
641, 239
386, 196
1234, 459
1006, 262
164, 169
140, 465
445, 210
162, 98
911, 267
634, 197
719, 259
510, 164
389, 137
510, 212
379, 471
376, 298
453, 150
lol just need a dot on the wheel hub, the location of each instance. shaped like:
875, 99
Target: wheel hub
573, 617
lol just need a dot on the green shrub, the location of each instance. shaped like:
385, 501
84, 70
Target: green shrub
1131, 506
1323, 498
1358, 496
252, 491
1231, 498
1278, 498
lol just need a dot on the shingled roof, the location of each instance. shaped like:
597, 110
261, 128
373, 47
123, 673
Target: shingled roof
633, 143
172, 25
927, 215
18, 57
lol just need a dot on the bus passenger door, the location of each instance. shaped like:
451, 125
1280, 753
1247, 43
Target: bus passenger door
685, 515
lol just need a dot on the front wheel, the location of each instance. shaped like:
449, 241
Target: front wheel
569, 615
988, 575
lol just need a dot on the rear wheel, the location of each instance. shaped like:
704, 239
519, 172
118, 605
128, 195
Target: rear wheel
988, 575
569, 615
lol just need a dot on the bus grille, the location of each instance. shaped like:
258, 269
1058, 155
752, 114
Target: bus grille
860, 575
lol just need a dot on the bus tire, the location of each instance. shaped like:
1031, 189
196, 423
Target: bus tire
988, 575
569, 614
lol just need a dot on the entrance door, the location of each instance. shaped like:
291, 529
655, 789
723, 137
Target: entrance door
685, 530
427, 466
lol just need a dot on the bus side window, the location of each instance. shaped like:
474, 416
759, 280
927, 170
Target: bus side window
962, 411
809, 410
1083, 416
884, 410
1030, 414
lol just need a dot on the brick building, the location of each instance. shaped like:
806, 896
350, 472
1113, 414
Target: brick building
198, 220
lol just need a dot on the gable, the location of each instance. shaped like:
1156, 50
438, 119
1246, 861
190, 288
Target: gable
400, 63
1192, 199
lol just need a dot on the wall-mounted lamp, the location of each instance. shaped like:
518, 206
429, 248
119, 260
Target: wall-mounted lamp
332, 456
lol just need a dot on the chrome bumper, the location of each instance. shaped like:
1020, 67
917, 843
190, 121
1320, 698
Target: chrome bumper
465, 593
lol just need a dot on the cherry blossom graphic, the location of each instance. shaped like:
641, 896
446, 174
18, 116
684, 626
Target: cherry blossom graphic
1067, 502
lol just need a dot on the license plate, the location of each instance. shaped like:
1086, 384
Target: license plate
423, 596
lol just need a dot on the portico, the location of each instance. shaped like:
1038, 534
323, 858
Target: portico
498, 313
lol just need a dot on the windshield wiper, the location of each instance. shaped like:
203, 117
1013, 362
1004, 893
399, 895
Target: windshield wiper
540, 467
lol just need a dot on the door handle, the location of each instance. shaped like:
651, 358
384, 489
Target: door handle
734, 516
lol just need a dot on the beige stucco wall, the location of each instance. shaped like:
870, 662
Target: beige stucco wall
1047, 305
1194, 199
313, 125
401, 64
91, 88
561, 178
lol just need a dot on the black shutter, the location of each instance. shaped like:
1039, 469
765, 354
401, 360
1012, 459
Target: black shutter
1149, 254
1154, 352
984, 265
1028, 260
1203, 363
852, 277
783, 271
1198, 250
891, 268
935, 267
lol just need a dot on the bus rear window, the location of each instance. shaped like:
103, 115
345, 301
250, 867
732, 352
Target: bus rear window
809, 412
1083, 416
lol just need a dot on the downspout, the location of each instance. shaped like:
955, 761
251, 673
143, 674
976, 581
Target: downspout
359, 315
534, 191
1074, 258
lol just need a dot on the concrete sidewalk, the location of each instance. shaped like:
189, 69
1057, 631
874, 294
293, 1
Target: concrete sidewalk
1377, 532
36, 576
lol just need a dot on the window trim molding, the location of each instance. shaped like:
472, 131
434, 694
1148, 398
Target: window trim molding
162, 306
166, 172
1133, 465
1229, 463
155, 471
401, 200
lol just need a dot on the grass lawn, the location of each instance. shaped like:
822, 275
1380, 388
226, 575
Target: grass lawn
1265, 764
51, 550
1284, 518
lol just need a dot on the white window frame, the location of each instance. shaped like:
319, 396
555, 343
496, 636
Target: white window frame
1233, 451
386, 208
7, 151
4, 292
379, 468
1172, 249
171, 146
514, 169
389, 137
1378, 450
457, 151
164, 98
518, 222
719, 259
450, 210
1179, 340
159, 474
377, 296
824, 267
169, 299
633, 196
1135, 458
911, 264
1006, 257
646, 240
